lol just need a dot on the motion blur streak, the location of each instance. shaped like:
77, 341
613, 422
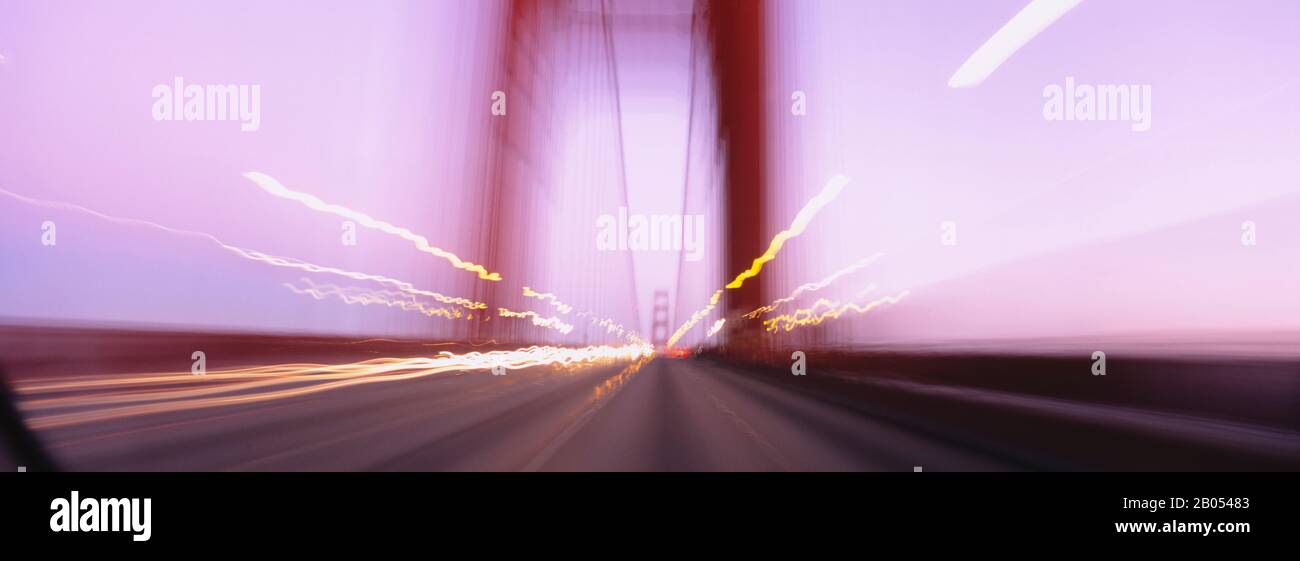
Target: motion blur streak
1027, 24
612, 327
669, 179
548, 297
366, 297
274, 187
695, 318
250, 254
548, 323
270, 185
809, 316
611, 385
814, 286
404, 301
801, 220
308, 379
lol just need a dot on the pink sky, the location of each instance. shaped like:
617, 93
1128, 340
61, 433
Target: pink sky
1064, 228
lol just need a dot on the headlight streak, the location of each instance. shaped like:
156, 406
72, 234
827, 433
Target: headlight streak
349, 295
403, 301
610, 326
134, 395
809, 211
366, 297
538, 320
1027, 24
548, 297
614, 383
717, 326
275, 188
808, 316
275, 261
270, 185
814, 286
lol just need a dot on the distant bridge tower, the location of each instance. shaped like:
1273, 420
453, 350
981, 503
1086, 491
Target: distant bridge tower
659, 319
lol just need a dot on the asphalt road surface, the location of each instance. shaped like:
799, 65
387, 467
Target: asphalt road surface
666, 415
885, 413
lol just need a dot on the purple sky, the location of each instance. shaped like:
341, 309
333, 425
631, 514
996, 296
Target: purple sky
1064, 228
361, 104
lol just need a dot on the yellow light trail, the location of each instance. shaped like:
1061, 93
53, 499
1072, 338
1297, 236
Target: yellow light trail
139, 394
274, 187
292, 263
613, 384
814, 286
550, 298
270, 185
808, 316
538, 320
809, 211
253, 255
694, 319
